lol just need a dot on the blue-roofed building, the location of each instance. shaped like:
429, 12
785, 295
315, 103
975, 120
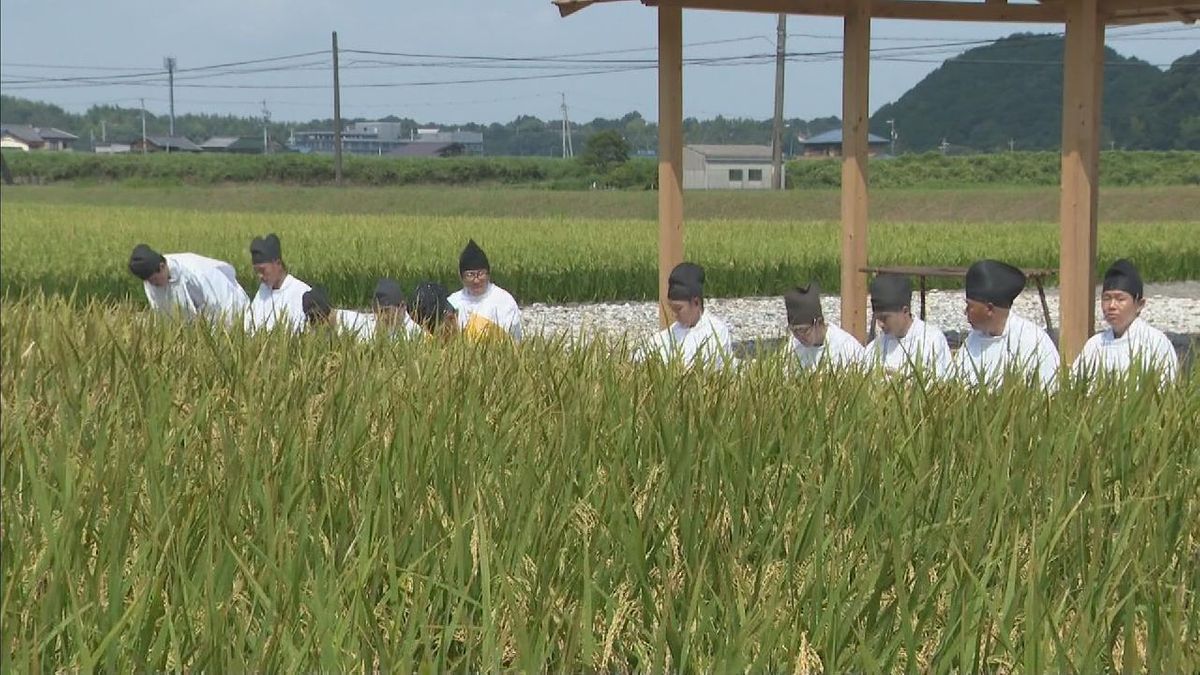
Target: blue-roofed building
829, 144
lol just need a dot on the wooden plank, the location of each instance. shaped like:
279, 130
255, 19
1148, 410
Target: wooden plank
670, 150
927, 10
856, 72
1115, 6
1083, 64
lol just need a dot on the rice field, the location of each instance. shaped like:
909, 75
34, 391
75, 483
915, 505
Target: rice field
82, 250
175, 498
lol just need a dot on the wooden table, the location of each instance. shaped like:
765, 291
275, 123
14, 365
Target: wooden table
1034, 274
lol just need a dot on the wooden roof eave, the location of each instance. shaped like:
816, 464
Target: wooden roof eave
1046, 11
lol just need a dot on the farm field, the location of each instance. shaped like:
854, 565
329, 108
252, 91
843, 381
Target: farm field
180, 499
540, 255
992, 204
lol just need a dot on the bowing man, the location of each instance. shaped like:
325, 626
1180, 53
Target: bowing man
905, 344
1128, 340
189, 285
815, 343
391, 311
1001, 340
433, 312
319, 312
483, 308
280, 296
696, 334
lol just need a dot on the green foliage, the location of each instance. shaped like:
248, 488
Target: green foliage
926, 170
524, 136
539, 259
1011, 90
932, 170
605, 151
180, 500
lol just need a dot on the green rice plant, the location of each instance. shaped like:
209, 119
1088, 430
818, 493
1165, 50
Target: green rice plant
82, 250
175, 498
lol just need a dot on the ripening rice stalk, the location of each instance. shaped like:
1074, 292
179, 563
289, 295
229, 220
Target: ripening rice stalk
178, 498
537, 259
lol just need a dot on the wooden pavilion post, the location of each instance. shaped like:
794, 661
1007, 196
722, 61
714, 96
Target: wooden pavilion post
1083, 71
670, 150
855, 102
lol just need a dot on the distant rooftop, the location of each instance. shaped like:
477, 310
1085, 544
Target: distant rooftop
834, 137
734, 152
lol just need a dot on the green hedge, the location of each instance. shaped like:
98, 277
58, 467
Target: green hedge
1015, 168
930, 170
43, 167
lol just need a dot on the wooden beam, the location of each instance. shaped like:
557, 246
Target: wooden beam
670, 150
856, 71
1125, 19
1083, 69
1140, 6
927, 10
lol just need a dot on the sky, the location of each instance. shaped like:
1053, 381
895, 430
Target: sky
128, 39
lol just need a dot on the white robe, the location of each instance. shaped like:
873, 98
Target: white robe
408, 330
198, 287
366, 326
1023, 347
495, 305
283, 305
358, 324
1142, 344
923, 347
709, 341
839, 350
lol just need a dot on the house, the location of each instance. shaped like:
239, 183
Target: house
243, 145
25, 138
112, 148
829, 144
381, 138
730, 167
164, 144
428, 150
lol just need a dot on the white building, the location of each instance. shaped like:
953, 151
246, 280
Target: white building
727, 167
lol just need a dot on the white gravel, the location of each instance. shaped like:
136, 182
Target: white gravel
1171, 307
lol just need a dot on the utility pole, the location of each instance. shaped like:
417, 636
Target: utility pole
104, 131
777, 131
892, 135
1012, 143
169, 64
567, 149
266, 124
337, 117
143, 125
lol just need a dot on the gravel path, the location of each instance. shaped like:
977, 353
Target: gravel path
1171, 307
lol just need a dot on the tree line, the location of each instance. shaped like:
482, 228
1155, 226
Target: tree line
1003, 96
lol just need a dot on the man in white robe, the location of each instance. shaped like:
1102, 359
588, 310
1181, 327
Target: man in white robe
189, 285
280, 297
391, 311
814, 343
320, 313
696, 336
484, 309
1128, 340
1000, 340
905, 345
433, 312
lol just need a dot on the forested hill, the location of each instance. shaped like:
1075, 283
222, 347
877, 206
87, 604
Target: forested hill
1011, 90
